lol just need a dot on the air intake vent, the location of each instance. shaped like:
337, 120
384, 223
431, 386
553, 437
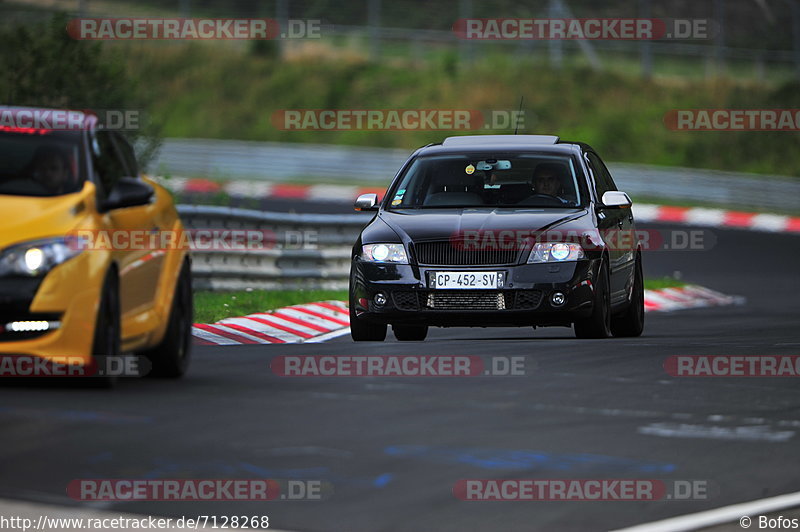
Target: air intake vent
451, 253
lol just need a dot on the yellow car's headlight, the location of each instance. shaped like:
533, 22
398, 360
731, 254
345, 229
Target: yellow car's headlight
37, 257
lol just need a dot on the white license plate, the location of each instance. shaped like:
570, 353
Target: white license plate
466, 280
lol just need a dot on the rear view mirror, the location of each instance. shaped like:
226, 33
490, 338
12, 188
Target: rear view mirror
367, 202
128, 192
616, 199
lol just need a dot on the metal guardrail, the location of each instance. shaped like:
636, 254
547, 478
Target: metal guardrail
273, 161
287, 264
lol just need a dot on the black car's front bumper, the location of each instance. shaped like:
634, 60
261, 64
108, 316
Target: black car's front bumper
524, 299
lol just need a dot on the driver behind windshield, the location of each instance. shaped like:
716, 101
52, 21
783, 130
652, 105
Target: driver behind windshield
547, 181
51, 169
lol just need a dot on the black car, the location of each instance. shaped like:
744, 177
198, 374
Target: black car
498, 230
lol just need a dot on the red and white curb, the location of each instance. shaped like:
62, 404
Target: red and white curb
686, 297
697, 216
267, 190
704, 217
308, 323
319, 322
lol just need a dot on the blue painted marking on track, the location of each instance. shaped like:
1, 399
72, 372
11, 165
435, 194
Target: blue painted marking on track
383, 480
524, 459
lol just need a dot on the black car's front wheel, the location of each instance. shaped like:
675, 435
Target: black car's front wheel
598, 324
364, 331
631, 322
410, 333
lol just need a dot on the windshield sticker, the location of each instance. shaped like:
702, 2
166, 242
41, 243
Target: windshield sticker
469, 169
397, 201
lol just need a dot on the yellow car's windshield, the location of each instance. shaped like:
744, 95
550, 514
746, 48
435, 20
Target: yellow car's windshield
40, 162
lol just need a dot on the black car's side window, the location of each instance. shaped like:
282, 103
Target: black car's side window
107, 162
602, 177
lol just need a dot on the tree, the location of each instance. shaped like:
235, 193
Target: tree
42, 66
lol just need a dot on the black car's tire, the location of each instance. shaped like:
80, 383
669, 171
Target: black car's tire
598, 325
171, 357
363, 331
107, 330
631, 322
410, 333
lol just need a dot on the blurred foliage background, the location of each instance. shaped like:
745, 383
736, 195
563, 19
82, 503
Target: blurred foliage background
230, 89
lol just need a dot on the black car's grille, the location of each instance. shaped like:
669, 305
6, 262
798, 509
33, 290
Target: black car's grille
406, 300
455, 253
528, 299
467, 300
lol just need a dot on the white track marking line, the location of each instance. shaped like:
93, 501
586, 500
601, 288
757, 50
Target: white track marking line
328, 336
718, 516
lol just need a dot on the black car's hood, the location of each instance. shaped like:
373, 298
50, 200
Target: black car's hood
444, 224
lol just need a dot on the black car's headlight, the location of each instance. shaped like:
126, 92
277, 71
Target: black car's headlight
555, 252
392, 253
37, 257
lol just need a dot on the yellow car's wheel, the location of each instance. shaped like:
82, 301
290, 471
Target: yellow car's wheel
171, 357
107, 329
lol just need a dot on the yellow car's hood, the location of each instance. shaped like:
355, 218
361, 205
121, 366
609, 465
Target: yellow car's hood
27, 218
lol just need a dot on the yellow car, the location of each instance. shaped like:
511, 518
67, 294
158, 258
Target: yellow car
79, 279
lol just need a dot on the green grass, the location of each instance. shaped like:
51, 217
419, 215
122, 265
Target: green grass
664, 282
210, 307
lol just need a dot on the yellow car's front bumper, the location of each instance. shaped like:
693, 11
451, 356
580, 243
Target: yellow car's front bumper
71, 291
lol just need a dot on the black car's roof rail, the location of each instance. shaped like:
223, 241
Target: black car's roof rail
482, 140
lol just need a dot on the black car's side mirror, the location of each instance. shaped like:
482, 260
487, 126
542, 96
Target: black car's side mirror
367, 202
128, 192
615, 199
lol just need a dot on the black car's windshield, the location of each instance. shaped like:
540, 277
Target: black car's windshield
521, 180
40, 162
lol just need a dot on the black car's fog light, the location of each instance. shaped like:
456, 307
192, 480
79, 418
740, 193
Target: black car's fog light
557, 299
380, 299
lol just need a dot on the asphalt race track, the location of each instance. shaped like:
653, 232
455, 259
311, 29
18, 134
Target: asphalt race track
392, 448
